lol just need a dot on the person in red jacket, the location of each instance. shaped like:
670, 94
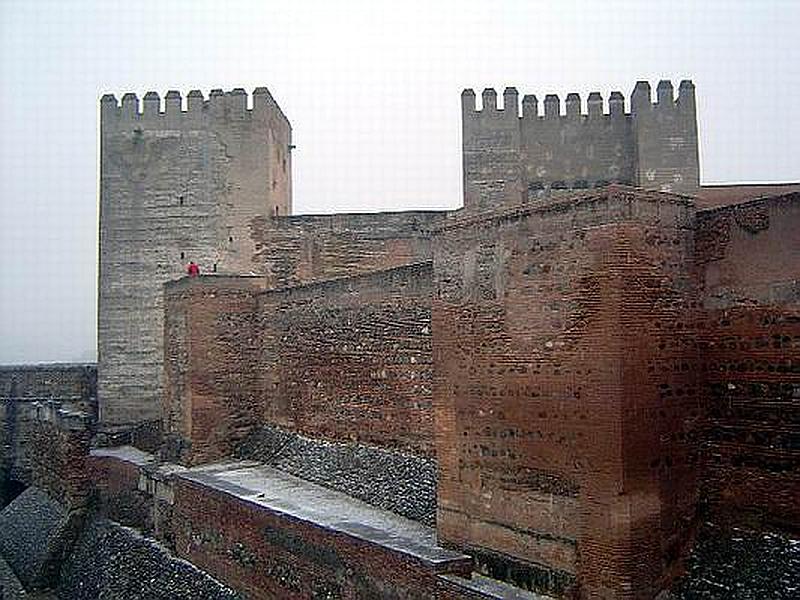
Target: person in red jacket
193, 270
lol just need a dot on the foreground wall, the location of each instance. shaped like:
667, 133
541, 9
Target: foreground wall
565, 392
350, 359
750, 260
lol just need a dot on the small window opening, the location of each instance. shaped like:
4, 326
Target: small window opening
183, 255
276, 211
284, 165
180, 200
214, 268
230, 238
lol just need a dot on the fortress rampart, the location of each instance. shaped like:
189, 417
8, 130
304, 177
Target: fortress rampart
570, 387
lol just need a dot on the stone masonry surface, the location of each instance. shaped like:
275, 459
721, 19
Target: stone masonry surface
740, 564
116, 563
46, 413
33, 530
273, 535
175, 186
347, 359
508, 158
750, 259
401, 483
579, 383
304, 248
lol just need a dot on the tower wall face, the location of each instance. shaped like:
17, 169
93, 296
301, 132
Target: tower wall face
175, 186
510, 158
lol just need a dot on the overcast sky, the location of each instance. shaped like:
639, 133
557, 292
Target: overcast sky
372, 90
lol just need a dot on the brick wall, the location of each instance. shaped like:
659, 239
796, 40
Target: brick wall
267, 554
565, 396
212, 392
750, 260
346, 359
73, 383
350, 359
304, 248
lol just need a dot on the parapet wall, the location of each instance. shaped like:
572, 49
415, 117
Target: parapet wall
176, 186
509, 158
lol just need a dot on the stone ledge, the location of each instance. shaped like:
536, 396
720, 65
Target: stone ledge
295, 498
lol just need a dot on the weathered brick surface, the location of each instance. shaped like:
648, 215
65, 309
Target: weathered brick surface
135, 489
268, 554
565, 393
750, 260
350, 359
346, 359
46, 413
213, 385
304, 248
508, 158
175, 186
74, 383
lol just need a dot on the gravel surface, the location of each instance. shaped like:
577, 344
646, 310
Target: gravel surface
737, 564
112, 562
402, 483
10, 587
32, 530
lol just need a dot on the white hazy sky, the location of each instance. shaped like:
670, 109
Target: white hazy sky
372, 90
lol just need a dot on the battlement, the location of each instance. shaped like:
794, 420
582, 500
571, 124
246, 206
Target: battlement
573, 107
234, 105
574, 145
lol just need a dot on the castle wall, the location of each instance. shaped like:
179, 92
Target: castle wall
565, 393
175, 186
350, 359
346, 359
750, 260
304, 248
510, 158
213, 394
45, 426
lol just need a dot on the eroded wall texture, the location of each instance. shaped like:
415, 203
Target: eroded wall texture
176, 185
46, 413
750, 260
304, 248
565, 391
347, 359
510, 158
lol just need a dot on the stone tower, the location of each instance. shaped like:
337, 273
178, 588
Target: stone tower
175, 185
508, 158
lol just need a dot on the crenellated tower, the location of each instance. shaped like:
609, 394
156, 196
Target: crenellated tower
509, 158
177, 183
